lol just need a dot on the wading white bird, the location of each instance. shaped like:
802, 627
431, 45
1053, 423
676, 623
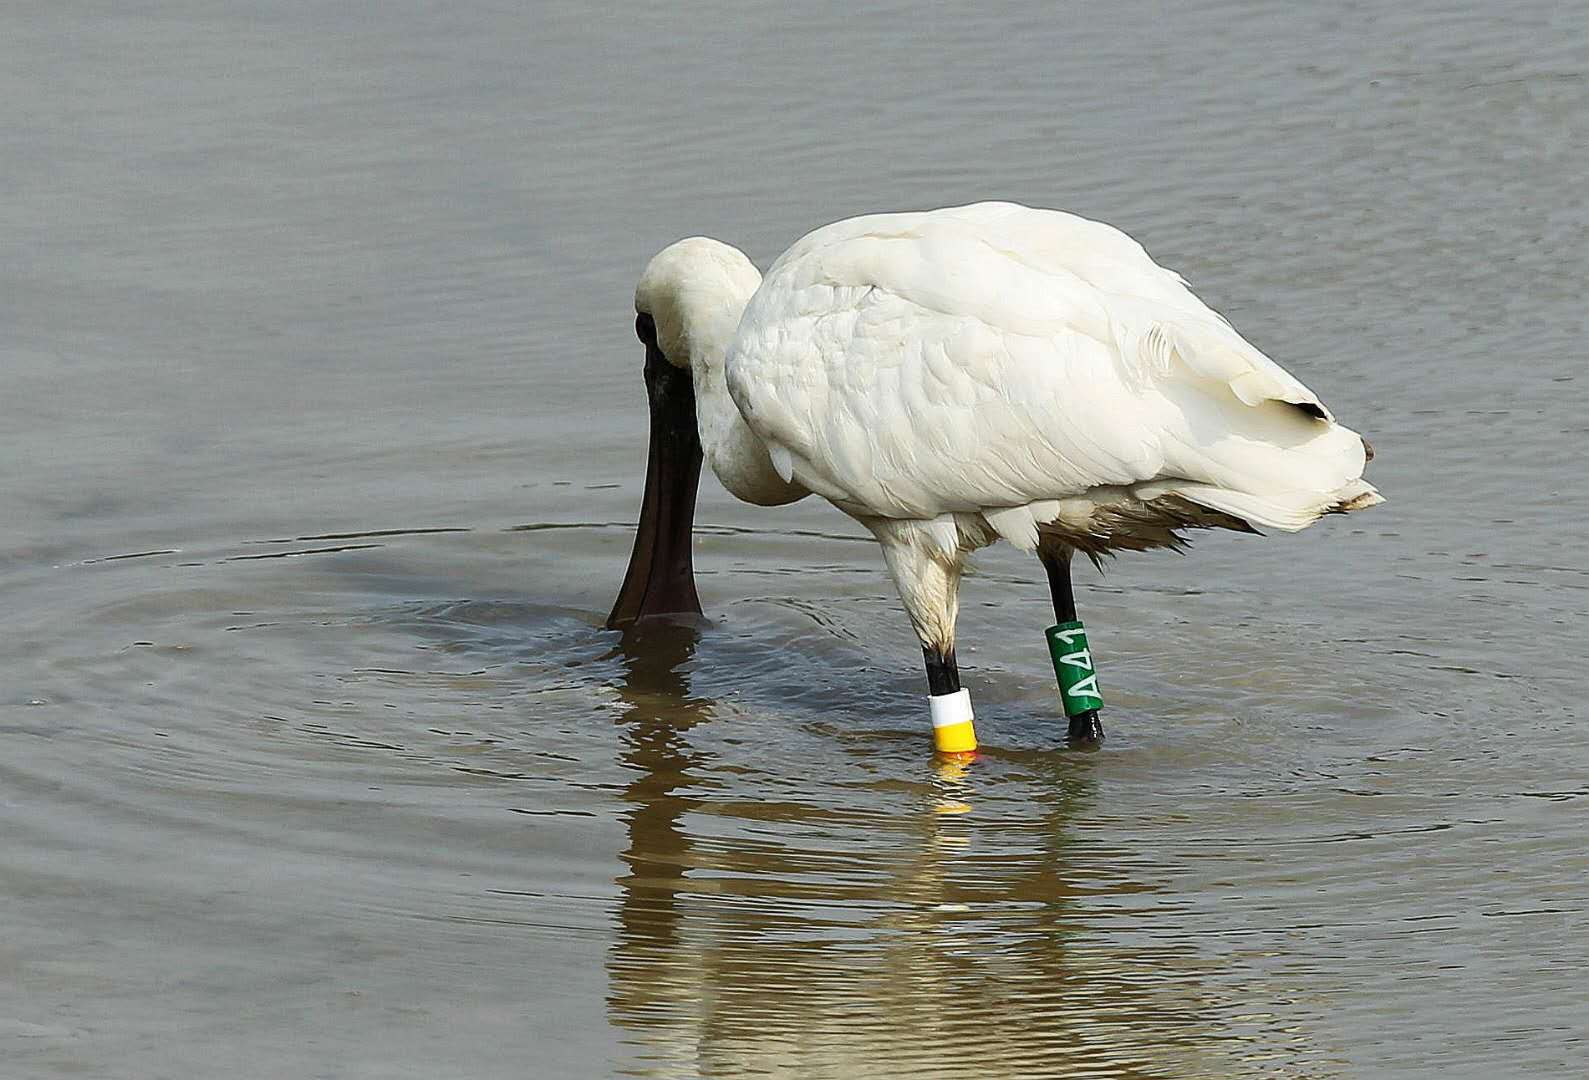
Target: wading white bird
953, 377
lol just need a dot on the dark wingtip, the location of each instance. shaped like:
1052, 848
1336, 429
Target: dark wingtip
1368, 449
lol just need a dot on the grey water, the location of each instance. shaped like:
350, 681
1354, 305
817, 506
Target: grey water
323, 435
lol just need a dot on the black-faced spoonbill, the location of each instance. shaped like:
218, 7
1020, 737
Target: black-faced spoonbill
957, 376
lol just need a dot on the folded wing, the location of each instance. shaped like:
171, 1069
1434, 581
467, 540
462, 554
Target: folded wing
993, 356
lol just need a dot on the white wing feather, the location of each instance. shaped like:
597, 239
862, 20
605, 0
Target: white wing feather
993, 356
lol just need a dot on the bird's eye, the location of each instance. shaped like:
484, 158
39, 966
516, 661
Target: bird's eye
645, 329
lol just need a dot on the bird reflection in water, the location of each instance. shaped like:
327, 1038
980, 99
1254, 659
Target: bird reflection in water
832, 921
657, 717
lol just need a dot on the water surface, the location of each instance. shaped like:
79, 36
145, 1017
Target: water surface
325, 433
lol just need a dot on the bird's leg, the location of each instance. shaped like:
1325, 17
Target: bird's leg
1073, 664
953, 731
943, 674
928, 579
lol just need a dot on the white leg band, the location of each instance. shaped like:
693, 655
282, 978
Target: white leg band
950, 709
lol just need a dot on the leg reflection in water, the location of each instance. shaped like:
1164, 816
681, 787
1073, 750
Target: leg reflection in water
873, 917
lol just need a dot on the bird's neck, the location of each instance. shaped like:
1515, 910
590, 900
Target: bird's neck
734, 452
698, 317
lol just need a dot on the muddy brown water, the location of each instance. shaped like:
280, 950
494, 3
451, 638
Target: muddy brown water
323, 430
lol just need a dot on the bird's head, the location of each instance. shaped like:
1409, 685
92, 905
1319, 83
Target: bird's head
694, 292
687, 307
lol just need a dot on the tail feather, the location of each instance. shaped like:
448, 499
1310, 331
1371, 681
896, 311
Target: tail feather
1244, 437
1288, 511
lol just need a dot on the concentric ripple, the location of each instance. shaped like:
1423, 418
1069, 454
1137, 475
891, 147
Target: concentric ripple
735, 821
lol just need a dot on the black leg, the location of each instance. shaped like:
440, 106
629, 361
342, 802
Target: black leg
1085, 728
943, 674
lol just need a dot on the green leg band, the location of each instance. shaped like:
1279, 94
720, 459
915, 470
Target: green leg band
1073, 667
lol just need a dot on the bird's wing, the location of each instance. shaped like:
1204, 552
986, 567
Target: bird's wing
992, 356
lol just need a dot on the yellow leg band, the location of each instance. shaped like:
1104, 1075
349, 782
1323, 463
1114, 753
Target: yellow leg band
952, 730
958, 738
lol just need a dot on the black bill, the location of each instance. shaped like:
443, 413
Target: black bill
661, 577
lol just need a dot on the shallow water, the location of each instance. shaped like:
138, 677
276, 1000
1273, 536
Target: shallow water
325, 433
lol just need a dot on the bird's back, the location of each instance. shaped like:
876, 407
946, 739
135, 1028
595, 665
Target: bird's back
992, 357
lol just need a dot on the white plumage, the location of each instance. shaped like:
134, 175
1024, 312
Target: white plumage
955, 376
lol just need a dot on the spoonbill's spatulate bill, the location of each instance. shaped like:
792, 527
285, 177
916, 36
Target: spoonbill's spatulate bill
953, 377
